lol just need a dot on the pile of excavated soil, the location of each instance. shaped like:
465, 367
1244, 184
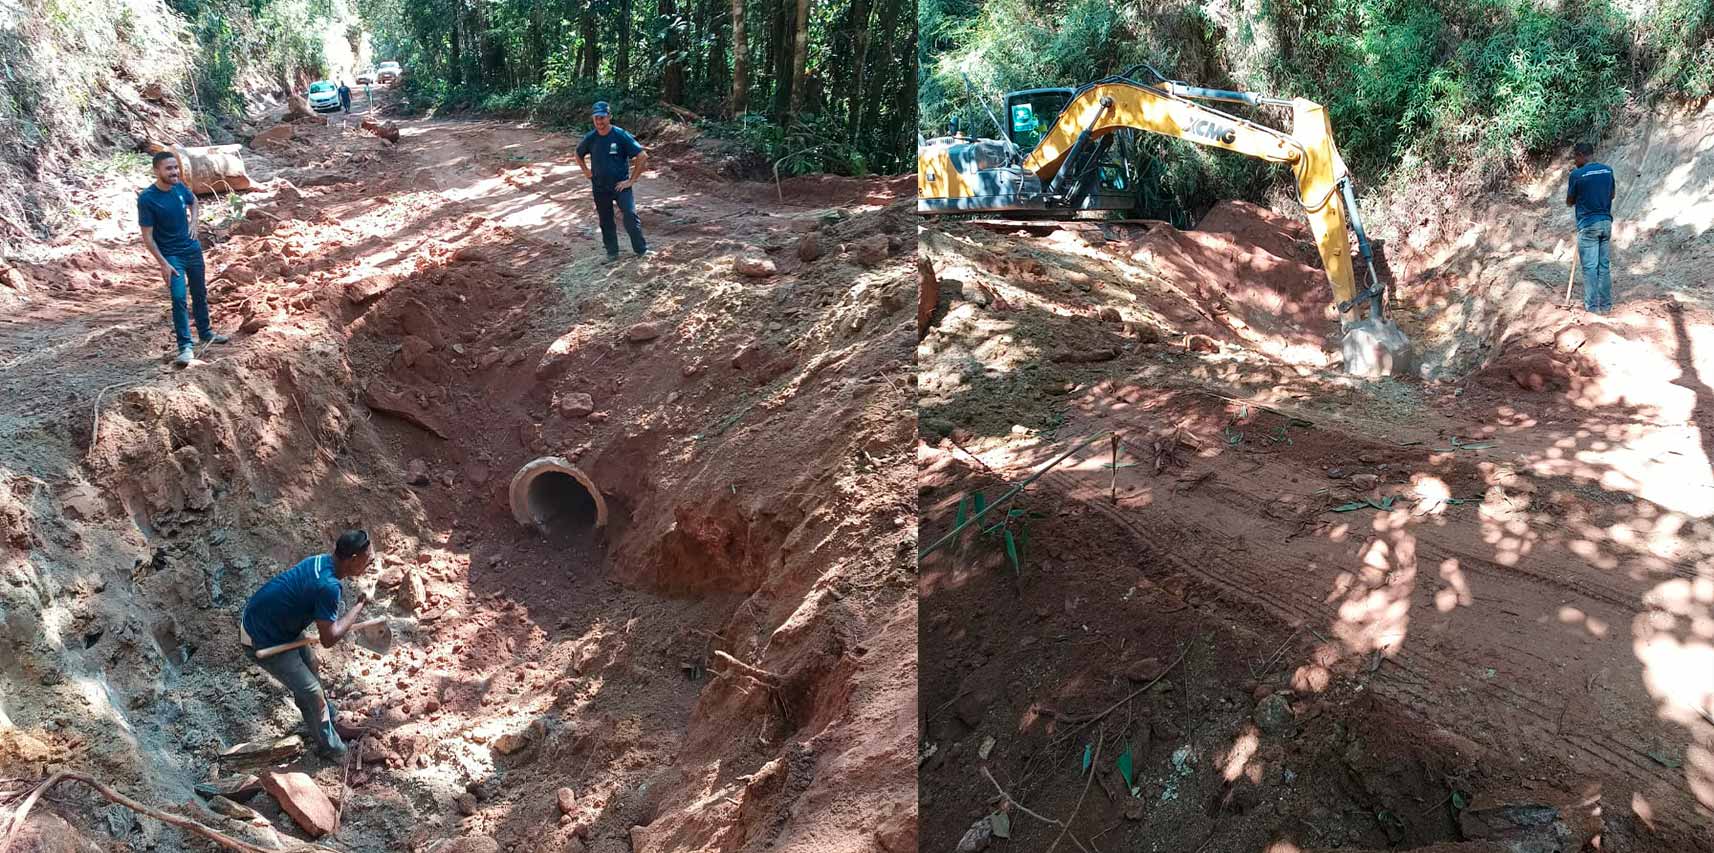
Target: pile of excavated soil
1085, 299
419, 322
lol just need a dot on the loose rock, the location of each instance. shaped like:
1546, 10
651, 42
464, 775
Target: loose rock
872, 250
754, 267
1273, 715
413, 348
1143, 670
1531, 825
369, 287
972, 706
976, 838
1200, 343
809, 247
576, 405
642, 332
387, 131
273, 136
417, 473
413, 596
471, 844
298, 795
511, 744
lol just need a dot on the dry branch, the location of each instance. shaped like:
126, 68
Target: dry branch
183, 823
735, 665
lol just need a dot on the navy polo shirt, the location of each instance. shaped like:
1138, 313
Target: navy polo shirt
287, 604
168, 212
609, 156
1591, 187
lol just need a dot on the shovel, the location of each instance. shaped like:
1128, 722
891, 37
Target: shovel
374, 635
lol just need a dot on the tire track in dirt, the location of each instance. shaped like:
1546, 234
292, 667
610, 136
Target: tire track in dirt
1444, 672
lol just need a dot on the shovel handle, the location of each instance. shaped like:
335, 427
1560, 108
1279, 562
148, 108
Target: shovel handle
298, 644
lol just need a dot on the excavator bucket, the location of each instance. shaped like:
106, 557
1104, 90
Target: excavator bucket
1376, 347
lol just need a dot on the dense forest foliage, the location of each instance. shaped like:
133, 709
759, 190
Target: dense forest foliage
825, 85
242, 44
1479, 86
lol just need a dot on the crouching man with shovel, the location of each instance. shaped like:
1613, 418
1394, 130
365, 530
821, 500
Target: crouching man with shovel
278, 613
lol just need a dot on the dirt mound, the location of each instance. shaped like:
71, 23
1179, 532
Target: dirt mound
1077, 299
1252, 274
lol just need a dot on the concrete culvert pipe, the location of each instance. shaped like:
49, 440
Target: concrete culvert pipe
553, 496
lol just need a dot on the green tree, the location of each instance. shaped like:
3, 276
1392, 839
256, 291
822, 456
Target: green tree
837, 77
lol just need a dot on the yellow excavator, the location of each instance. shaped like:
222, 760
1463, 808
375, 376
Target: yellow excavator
1070, 150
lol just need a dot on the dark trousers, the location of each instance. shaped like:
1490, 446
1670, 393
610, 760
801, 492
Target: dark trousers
604, 200
296, 670
188, 279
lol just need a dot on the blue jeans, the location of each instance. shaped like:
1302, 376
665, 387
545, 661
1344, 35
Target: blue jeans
1594, 247
188, 276
604, 200
296, 670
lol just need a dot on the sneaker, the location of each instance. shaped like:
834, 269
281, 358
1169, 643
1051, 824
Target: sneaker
185, 357
216, 339
643, 254
610, 259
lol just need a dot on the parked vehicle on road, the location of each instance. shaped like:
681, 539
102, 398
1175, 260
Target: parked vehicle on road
366, 76
324, 96
388, 72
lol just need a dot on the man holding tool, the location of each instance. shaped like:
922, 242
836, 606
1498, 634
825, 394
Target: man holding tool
278, 612
1589, 191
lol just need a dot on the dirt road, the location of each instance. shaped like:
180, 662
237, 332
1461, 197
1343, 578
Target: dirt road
1379, 614
420, 321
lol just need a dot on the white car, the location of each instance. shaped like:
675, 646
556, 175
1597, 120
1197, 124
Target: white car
323, 96
388, 72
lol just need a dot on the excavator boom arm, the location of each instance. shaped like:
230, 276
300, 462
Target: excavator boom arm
1115, 104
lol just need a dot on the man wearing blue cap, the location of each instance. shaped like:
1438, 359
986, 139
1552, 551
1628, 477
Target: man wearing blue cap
610, 150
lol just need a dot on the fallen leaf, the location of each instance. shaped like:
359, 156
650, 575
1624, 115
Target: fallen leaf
1663, 759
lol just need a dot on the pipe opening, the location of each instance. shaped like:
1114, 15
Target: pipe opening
557, 499
560, 504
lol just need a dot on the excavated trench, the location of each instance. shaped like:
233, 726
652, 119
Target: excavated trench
572, 552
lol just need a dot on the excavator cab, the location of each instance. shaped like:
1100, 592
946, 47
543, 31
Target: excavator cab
961, 174
1029, 114
1110, 167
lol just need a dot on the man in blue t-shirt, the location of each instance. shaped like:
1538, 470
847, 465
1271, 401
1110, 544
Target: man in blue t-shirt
610, 149
280, 611
166, 210
1590, 192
